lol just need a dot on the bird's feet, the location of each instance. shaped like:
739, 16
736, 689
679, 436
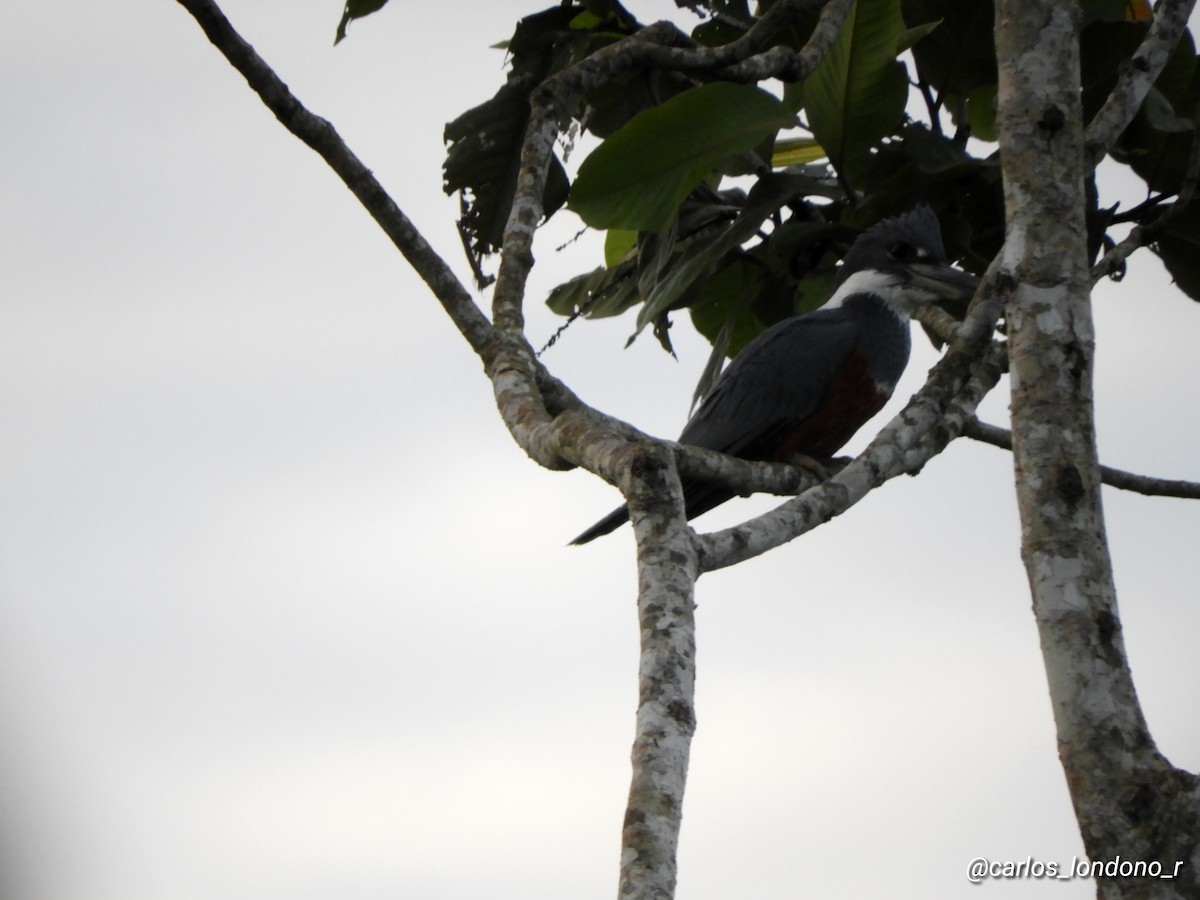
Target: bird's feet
814, 467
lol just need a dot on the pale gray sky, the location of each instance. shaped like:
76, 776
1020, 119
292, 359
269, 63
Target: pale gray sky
270, 628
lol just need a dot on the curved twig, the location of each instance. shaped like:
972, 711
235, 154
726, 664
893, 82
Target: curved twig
659, 46
1170, 21
557, 430
1144, 235
1116, 478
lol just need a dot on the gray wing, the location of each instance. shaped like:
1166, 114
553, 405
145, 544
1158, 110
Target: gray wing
778, 379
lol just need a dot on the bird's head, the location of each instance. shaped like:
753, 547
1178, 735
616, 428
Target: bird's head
901, 260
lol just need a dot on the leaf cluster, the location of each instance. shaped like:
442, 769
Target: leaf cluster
734, 201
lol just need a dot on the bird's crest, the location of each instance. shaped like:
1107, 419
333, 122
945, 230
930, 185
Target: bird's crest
914, 236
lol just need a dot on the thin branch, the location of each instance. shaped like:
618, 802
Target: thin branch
1152, 203
931, 420
937, 320
553, 101
1144, 235
1170, 21
588, 438
749, 58
321, 136
1112, 263
932, 106
657, 46
782, 62
1116, 478
507, 358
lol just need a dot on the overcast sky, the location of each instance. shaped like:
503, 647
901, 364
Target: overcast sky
285, 614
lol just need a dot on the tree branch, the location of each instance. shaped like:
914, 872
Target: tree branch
1116, 478
557, 430
508, 359
1139, 75
933, 418
321, 136
789, 65
1144, 235
666, 718
658, 46
1129, 801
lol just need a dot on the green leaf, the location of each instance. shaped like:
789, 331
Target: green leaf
716, 362
796, 152
1104, 48
585, 21
981, 112
597, 294
574, 295
960, 56
704, 254
613, 103
638, 177
1179, 248
723, 313
356, 9
730, 20
1153, 144
483, 161
856, 96
1160, 115
914, 34
742, 299
617, 243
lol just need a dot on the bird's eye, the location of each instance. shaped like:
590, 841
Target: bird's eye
905, 253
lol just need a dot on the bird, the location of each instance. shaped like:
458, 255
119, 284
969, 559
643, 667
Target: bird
801, 389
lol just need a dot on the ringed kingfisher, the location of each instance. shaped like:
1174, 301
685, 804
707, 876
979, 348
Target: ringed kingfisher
802, 388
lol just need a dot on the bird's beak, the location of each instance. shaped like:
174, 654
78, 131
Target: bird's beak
943, 281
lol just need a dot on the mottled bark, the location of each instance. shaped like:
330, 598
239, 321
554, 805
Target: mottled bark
1128, 800
1170, 21
666, 718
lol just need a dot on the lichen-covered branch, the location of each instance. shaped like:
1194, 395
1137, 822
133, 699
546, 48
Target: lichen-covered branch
1143, 235
1170, 21
658, 46
1128, 800
935, 416
666, 717
557, 430
932, 419
1117, 478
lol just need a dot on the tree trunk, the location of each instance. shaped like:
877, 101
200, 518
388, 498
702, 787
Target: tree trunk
1129, 801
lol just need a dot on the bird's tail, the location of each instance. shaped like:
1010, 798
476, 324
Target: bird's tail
611, 522
698, 498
